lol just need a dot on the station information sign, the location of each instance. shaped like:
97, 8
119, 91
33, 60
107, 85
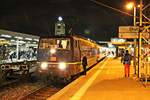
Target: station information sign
128, 32
117, 41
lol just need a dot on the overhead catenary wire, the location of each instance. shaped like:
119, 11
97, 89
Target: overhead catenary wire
102, 4
118, 10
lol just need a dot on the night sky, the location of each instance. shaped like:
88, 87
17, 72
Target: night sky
38, 17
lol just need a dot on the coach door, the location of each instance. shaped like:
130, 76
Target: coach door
76, 50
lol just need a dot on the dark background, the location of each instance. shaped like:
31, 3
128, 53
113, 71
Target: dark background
83, 16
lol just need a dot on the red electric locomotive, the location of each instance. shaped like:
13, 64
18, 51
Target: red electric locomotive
61, 56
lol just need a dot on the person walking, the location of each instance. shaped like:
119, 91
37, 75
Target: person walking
84, 64
126, 58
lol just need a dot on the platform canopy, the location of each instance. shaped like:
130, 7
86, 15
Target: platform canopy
9, 34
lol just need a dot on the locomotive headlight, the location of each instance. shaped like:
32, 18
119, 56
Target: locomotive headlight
52, 51
44, 65
62, 65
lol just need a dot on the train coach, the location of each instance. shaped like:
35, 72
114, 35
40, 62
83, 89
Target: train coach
18, 53
61, 56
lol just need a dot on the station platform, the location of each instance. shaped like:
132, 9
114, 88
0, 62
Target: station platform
105, 81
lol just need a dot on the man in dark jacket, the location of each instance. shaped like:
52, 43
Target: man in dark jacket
127, 62
84, 64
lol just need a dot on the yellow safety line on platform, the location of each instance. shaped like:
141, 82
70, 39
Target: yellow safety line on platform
84, 88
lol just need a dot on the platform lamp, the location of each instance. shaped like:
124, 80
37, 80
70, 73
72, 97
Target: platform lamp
132, 5
129, 6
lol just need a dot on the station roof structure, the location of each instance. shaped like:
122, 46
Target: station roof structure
17, 34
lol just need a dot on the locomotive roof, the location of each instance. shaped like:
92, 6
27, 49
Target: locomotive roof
72, 36
67, 36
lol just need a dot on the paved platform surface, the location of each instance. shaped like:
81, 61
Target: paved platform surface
105, 81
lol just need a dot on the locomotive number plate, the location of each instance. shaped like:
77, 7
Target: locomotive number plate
52, 58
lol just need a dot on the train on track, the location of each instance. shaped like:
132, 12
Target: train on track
60, 57
18, 53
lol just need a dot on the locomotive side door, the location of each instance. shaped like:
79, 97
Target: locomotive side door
76, 52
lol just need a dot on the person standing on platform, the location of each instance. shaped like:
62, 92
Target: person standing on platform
84, 64
122, 54
126, 58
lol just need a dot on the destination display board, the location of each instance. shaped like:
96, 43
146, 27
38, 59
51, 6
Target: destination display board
128, 32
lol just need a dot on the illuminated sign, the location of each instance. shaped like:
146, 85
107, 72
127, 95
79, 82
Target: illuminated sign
117, 41
60, 28
128, 32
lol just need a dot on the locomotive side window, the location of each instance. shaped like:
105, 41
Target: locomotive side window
45, 43
87, 49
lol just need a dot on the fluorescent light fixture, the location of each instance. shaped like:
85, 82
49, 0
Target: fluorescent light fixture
22, 42
12, 40
1, 39
36, 40
7, 36
28, 39
18, 37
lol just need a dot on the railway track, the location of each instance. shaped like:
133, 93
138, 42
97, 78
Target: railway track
18, 91
22, 90
9, 84
47, 91
17, 88
42, 93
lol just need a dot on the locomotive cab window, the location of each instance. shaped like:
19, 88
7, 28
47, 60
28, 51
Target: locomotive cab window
63, 43
58, 43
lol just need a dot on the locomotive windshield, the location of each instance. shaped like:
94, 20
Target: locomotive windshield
59, 43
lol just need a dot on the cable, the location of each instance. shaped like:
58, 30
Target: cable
146, 6
102, 4
146, 17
